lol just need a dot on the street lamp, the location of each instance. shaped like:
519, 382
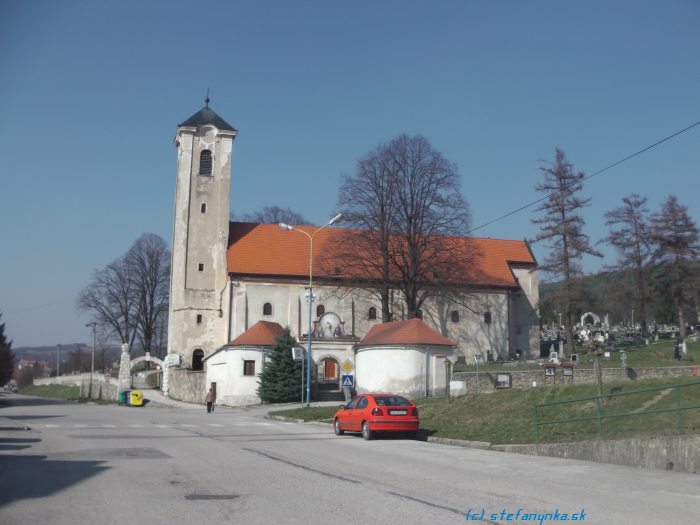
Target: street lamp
311, 236
92, 365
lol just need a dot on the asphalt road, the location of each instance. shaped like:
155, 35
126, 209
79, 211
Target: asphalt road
89, 464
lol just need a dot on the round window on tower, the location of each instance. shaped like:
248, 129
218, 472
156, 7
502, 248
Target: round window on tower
207, 134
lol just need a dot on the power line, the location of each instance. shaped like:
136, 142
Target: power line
585, 178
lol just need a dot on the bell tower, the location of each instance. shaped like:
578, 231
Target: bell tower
198, 274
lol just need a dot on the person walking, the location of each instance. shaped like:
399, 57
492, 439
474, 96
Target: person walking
210, 401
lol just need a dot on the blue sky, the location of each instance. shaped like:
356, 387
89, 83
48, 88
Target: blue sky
91, 94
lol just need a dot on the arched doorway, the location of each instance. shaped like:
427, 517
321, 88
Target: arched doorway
328, 374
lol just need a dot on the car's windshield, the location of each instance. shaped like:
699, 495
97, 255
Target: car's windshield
392, 401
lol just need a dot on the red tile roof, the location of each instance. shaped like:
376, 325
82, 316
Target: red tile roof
262, 333
410, 332
264, 250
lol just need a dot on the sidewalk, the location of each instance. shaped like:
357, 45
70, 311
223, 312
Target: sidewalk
156, 398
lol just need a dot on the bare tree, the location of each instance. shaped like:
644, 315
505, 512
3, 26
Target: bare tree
113, 301
561, 225
148, 262
674, 238
129, 296
629, 234
406, 213
273, 215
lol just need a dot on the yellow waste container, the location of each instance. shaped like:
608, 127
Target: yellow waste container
136, 398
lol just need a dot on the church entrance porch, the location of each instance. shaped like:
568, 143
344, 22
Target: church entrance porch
329, 380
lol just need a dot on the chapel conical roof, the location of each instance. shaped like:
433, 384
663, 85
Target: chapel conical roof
408, 332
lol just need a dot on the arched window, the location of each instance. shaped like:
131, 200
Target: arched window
320, 310
454, 316
197, 356
487, 317
372, 314
419, 313
205, 162
267, 309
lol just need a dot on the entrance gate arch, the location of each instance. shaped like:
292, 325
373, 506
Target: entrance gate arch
126, 364
148, 358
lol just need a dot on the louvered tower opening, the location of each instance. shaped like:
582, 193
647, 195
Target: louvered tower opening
205, 162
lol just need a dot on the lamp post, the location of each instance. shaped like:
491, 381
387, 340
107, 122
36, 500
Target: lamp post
311, 236
92, 364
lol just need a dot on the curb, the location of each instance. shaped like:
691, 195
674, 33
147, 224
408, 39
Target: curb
295, 420
483, 445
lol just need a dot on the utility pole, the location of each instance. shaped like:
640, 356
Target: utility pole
92, 364
58, 361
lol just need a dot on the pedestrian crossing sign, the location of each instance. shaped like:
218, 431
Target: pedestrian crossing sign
347, 380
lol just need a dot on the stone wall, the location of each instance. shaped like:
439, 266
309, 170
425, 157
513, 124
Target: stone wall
188, 386
581, 376
74, 379
678, 453
100, 389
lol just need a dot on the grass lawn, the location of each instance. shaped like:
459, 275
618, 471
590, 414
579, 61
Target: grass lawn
68, 393
506, 416
65, 392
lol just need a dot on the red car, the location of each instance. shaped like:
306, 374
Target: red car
372, 413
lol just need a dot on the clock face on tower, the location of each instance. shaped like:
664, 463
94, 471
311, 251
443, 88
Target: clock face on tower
207, 134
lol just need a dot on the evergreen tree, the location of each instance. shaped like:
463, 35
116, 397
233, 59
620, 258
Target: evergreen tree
629, 234
561, 225
7, 357
676, 245
280, 379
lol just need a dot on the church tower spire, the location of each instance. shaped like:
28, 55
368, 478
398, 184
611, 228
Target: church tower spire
199, 274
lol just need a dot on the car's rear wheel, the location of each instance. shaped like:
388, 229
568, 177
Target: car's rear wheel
366, 432
337, 428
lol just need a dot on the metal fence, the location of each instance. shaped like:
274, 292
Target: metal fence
670, 400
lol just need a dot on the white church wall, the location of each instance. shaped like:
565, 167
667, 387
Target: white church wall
526, 304
289, 308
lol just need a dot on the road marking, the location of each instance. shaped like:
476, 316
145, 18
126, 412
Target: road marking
264, 424
163, 426
215, 425
53, 426
136, 426
188, 425
108, 426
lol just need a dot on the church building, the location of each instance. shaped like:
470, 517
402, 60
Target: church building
234, 285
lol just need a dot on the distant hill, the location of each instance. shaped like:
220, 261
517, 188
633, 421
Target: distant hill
44, 353
50, 353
